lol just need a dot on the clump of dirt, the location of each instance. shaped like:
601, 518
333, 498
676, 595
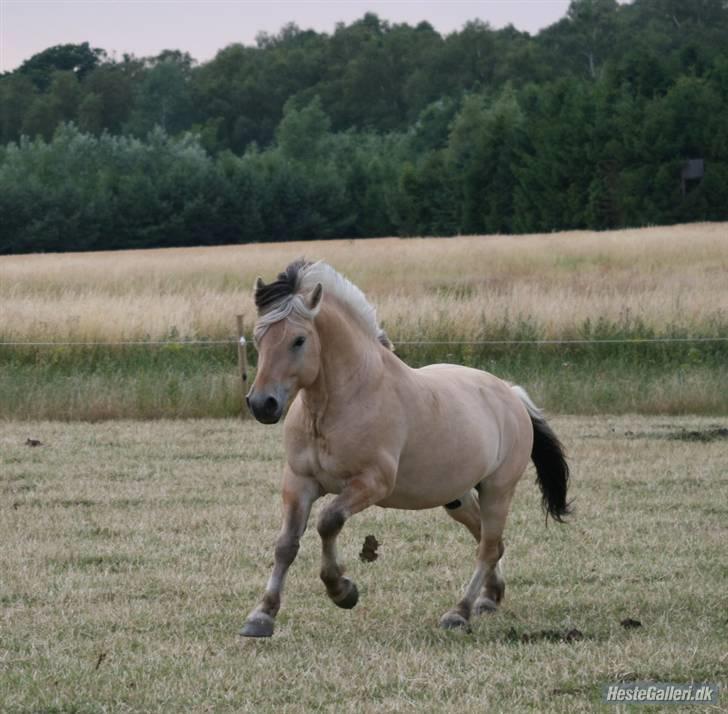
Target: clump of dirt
703, 435
369, 550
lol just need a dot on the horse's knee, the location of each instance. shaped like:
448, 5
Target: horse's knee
330, 523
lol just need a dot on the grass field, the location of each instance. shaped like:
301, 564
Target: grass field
655, 280
652, 283
130, 553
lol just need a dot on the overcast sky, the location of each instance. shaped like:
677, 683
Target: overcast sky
202, 27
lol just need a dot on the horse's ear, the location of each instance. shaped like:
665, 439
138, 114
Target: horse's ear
314, 299
259, 284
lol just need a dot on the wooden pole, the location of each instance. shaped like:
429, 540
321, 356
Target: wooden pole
242, 358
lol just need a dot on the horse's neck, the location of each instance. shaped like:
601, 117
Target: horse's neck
350, 362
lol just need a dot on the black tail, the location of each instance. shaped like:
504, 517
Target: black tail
552, 471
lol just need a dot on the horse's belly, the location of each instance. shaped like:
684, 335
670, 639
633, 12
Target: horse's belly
441, 467
435, 485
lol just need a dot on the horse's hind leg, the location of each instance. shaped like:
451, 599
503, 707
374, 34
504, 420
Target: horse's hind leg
466, 510
486, 586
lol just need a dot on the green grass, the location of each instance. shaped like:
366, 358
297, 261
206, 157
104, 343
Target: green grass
102, 382
173, 381
130, 553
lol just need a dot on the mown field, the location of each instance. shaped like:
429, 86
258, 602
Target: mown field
131, 552
634, 284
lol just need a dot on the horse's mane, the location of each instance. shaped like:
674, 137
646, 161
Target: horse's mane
284, 298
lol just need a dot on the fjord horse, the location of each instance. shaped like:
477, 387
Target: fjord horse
368, 428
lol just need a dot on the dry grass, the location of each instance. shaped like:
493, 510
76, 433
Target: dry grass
130, 553
624, 284
667, 278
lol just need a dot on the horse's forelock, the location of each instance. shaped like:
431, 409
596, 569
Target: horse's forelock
285, 285
284, 298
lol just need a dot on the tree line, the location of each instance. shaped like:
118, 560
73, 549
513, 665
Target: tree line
375, 129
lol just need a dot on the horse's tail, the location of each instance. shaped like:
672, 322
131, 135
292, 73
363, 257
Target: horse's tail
552, 471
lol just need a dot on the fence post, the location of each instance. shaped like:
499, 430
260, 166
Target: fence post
242, 359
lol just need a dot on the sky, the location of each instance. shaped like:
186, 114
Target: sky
202, 27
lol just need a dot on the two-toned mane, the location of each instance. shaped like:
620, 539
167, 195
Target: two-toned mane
368, 429
283, 298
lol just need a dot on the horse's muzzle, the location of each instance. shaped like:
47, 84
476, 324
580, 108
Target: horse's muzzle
267, 408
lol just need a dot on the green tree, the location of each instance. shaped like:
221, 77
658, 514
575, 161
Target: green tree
555, 166
378, 128
163, 96
17, 94
594, 29
91, 113
113, 84
483, 150
40, 119
79, 59
58, 104
64, 95
303, 134
427, 202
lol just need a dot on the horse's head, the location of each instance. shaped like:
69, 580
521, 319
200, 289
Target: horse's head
288, 345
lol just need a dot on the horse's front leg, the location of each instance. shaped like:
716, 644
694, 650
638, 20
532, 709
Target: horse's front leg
299, 493
359, 493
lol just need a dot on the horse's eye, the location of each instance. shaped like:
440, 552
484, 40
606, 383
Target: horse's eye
298, 342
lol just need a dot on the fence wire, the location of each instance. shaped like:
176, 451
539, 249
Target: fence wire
454, 343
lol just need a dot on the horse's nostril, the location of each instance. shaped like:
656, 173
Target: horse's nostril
271, 405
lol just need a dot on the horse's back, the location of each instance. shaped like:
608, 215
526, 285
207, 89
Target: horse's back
468, 385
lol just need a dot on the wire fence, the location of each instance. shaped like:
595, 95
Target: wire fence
454, 343
121, 343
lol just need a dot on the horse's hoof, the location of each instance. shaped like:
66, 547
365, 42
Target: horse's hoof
484, 605
454, 621
258, 624
350, 598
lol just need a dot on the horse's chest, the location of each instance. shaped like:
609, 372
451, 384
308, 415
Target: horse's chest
323, 463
